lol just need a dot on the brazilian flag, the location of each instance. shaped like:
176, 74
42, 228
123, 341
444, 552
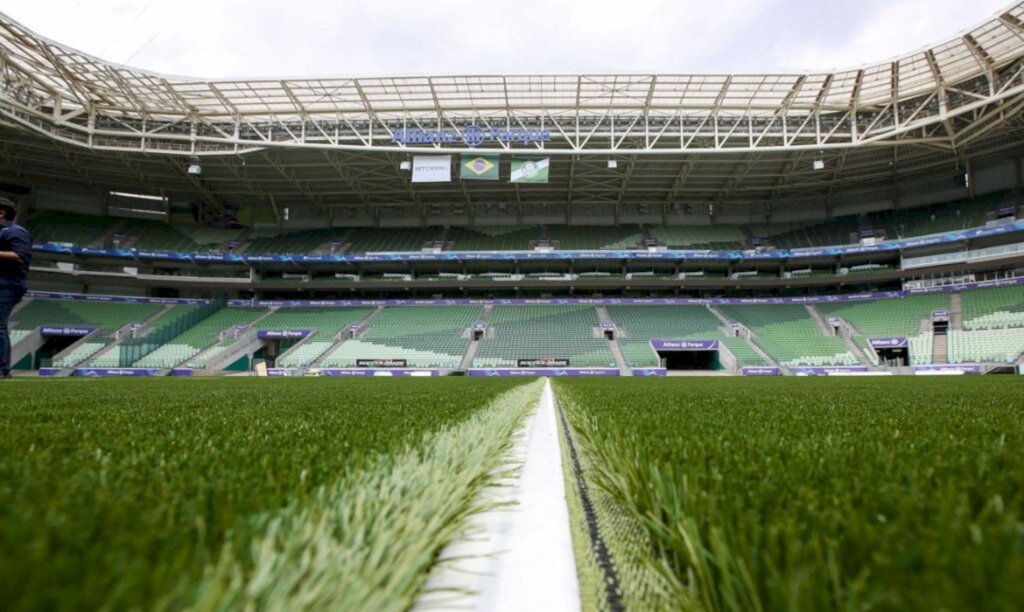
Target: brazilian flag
479, 168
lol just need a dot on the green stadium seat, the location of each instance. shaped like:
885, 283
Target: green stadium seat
530, 332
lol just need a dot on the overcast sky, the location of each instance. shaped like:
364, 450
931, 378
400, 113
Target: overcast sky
252, 38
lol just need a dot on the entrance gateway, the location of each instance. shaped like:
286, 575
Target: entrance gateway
680, 355
893, 352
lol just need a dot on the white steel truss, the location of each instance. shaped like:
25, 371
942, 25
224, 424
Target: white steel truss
943, 97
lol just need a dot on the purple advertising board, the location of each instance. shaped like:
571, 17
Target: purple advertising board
66, 331
181, 372
116, 299
607, 325
940, 314
957, 368
761, 371
275, 334
827, 370
382, 362
281, 372
895, 342
542, 372
650, 372
117, 372
49, 371
685, 345
816, 299
542, 362
666, 255
378, 372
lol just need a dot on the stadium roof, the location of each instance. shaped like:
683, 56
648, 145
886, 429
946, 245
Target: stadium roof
940, 107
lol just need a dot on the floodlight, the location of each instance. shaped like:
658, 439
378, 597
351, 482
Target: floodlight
405, 165
818, 164
613, 164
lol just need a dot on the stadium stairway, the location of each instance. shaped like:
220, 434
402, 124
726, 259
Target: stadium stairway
825, 328
467, 359
346, 336
747, 335
940, 348
844, 333
858, 352
620, 359
956, 312
120, 336
247, 343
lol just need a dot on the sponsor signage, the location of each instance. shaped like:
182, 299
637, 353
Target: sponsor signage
761, 371
940, 314
381, 363
255, 303
543, 362
889, 342
66, 331
181, 372
960, 368
114, 299
472, 136
650, 372
827, 370
431, 168
685, 345
607, 325
376, 372
116, 372
278, 334
49, 371
543, 372
443, 176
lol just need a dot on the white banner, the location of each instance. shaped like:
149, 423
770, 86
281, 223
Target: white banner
432, 168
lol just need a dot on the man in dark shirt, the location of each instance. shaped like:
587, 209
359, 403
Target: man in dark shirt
15, 256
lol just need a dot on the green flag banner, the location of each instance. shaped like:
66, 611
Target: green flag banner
479, 168
530, 170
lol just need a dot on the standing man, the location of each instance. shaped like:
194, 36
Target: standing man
15, 256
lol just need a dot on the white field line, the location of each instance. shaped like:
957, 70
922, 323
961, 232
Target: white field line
516, 557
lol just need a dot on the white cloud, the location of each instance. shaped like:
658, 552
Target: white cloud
239, 38
884, 31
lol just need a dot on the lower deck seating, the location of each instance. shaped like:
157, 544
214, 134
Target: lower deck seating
789, 335
197, 341
106, 317
535, 332
1000, 346
897, 317
423, 336
996, 308
325, 323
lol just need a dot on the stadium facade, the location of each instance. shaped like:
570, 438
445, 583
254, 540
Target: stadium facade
474, 197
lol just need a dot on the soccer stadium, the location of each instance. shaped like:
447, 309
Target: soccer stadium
753, 340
